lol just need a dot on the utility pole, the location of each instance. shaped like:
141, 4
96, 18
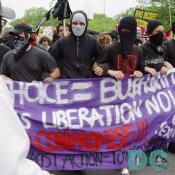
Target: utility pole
104, 12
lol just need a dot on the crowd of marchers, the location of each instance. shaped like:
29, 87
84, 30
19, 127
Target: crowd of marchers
74, 53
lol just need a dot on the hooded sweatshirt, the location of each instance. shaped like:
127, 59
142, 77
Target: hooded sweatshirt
76, 55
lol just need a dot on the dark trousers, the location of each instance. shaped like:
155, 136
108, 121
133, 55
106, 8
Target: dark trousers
77, 172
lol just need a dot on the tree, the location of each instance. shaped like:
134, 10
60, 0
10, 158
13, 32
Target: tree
163, 11
33, 15
159, 6
102, 23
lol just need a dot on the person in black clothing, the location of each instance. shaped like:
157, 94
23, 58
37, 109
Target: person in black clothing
123, 57
3, 50
154, 54
7, 39
76, 53
6, 13
59, 32
33, 65
170, 45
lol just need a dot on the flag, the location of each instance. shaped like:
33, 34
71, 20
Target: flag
61, 10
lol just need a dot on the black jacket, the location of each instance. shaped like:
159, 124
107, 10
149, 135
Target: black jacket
112, 56
170, 45
76, 55
153, 56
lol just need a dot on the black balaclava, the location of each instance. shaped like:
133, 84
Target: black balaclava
21, 43
75, 30
127, 38
155, 39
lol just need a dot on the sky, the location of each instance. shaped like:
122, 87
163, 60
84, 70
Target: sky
112, 7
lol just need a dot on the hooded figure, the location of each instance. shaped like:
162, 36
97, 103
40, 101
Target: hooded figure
127, 30
79, 23
155, 32
124, 57
76, 53
5, 13
154, 54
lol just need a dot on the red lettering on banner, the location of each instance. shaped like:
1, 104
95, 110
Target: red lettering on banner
94, 141
112, 139
80, 138
120, 137
38, 143
141, 131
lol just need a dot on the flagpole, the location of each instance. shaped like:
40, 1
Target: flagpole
64, 21
64, 25
169, 5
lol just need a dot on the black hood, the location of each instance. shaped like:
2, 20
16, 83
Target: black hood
82, 12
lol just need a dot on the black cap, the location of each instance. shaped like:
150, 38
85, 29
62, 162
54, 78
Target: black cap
21, 28
6, 12
129, 23
152, 24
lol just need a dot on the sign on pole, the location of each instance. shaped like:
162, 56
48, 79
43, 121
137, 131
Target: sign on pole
142, 16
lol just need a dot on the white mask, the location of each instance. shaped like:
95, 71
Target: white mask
78, 30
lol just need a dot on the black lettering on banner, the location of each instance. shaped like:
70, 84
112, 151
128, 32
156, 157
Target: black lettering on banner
70, 158
41, 159
145, 15
119, 157
94, 159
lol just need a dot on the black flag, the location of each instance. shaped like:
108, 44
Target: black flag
61, 10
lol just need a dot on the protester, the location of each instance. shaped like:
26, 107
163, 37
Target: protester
7, 39
45, 42
104, 39
124, 57
170, 45
9, 14
26, 63
15, 143
59, 33
76, 53
154, 54
139, 40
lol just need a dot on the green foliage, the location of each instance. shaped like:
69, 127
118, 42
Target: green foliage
102, 23
160, 7
34, 15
